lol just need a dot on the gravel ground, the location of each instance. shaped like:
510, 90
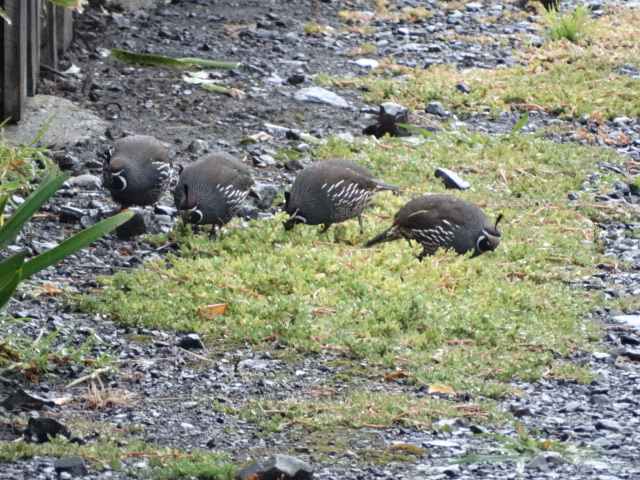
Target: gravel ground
178, 411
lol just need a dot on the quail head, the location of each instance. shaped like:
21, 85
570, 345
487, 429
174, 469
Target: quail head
443, 221
331, 191
137, 170
211, 190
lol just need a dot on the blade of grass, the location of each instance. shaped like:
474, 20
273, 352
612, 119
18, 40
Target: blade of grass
3, 204
10, 273
210, 63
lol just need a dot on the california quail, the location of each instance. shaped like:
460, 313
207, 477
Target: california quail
212, 189
443, 221
331, 191
137, 170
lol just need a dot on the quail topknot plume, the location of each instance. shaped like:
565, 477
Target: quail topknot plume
211, 190
332, 191
137, 170
443, 221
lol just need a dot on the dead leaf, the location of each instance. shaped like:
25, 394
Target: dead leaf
62, 400
261, 137
51, 290
438, 388
236, 93
217, 309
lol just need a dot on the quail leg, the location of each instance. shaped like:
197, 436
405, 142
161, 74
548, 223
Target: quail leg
212, 233
326, 227
361, 226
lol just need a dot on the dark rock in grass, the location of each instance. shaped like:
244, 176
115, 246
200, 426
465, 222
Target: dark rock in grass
436, 108
632, 354
463, 88
608, 425
22, 400
72, 465
142, 223
262, 196
296, 79
69, 214
293, 165
451, 179
389, 116
277, 467
191, 342
40, 429
248, 212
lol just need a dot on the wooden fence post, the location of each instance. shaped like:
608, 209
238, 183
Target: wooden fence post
13, 67
38, 33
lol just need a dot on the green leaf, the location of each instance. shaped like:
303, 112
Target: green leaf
146, 59
73, 244
421, 131
521, 123
162, 61
21, 216
210, 63
214, 88
3, 203
65, 3
10, 274
4, 15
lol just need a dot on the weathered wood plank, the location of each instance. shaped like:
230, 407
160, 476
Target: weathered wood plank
13, 74
64, 28
49, 51
33, 45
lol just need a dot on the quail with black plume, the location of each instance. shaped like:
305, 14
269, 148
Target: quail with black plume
211, 190
443, 221
137, 170
332, 191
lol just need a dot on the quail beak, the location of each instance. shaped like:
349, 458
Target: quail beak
288, 225
185, 215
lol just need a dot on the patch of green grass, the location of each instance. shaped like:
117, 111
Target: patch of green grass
530, 86
24, 354
565, 79
572, 25
366, 409
113, 446
473, 325
525, 447
20, 165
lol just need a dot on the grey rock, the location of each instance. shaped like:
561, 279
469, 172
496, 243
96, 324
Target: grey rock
263, 161
463, 88
69, 214
320, 95
436, 108
631, 320
389, 116
451, 179
86, 182
608, 425
40, 109
277, 467
632, 354
571, 406
73, 465
599, 399
191, 341
303, 147
263, 196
